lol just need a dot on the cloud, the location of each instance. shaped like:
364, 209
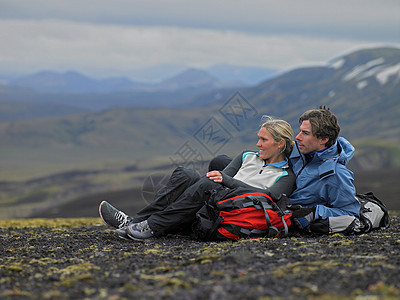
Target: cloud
62, 45
126, 36
313, 17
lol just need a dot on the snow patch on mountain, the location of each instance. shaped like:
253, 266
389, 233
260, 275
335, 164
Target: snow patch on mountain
374, 68
337, 64
359, 70
384, 75
362, 84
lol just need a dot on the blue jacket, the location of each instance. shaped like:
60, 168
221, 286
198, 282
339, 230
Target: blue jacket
325, 182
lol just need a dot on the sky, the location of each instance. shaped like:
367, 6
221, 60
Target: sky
147, 40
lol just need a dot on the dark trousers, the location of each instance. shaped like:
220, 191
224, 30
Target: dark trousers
175, 205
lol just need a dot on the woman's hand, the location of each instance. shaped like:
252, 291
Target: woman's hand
215, 176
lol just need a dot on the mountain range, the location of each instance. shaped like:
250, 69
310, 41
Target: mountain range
362, 88
194, 81
72, 82
75, 92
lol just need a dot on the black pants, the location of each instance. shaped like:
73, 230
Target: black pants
175, 205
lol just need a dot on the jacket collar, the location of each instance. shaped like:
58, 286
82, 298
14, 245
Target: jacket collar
281, 164
326, 153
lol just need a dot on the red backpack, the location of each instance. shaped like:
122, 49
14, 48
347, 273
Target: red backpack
241, 213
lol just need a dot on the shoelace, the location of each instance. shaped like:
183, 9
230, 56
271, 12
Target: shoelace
122, 219
142, 226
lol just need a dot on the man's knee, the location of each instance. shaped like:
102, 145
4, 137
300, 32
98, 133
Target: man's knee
192, 174
219, 162
183, 173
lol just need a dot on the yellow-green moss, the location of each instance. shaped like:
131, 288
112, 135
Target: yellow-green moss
78, 272
303, 268
56, 222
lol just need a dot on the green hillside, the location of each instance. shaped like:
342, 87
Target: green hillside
39, 147
118, 148
353, 86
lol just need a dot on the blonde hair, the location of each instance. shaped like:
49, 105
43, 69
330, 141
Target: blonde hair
280, 130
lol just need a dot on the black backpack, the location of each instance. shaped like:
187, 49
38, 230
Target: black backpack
373, 213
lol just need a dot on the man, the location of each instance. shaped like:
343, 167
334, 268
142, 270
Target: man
325, 198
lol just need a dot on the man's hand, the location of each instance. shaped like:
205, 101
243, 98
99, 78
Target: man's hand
215, 176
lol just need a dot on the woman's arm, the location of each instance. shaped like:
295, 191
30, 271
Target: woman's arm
229, 171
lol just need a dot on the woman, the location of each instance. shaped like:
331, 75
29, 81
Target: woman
174, 207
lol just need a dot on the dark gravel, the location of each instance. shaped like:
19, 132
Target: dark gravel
90, 262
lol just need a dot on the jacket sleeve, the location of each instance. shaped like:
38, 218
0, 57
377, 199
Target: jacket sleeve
340, 194
233, 167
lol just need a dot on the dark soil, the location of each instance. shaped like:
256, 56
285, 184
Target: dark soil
89, 261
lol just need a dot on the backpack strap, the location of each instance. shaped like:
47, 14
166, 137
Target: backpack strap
280, 213
286, 228
272, 229
255, 232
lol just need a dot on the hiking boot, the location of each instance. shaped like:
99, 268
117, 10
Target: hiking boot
122, 233
139, 231
112, 216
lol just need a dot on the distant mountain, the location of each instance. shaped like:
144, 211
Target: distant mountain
362, 88
72, 82
359, 87
248, 75
81, 93
47, 93
194, 78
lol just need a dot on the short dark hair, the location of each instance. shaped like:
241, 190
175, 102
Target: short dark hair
324, 124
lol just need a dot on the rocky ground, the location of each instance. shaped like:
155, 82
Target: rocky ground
81, 258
